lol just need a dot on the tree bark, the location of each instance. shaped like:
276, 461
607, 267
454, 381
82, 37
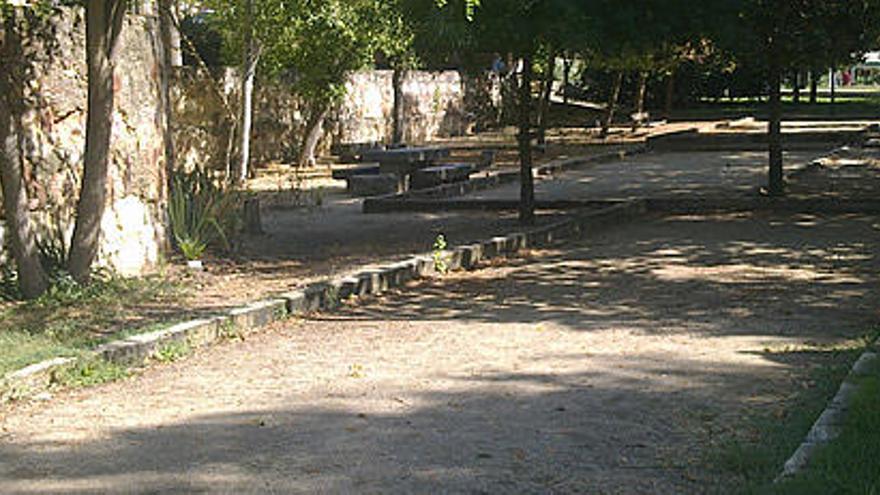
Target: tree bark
833, 86
527, 186
640, 100
670, 95
775, 186
814, 86
546, 93
397, 111
103, 25
249, 69
20, 236
167, 46
566, 77
313, 136
608, 118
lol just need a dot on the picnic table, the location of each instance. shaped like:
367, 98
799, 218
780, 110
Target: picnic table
404, 161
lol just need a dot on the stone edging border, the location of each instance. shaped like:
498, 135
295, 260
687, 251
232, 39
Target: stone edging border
326, 295
829, 424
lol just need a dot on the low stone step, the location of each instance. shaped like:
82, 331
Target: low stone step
346, 173
441, 174
376, 184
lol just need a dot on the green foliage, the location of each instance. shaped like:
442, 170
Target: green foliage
88, 372
173, 351
439, 254
851, 463
203, 212
63, 322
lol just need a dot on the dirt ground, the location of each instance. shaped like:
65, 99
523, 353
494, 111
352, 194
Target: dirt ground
605, 367
305, 244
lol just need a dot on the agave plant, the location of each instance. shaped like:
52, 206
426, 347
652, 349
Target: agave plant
202, 211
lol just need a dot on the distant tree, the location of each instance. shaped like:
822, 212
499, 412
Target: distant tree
781, 35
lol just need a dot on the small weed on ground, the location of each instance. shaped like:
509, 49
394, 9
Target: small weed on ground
173, 351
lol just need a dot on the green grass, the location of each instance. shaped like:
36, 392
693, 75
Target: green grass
848, 107
851, 463
755, 453
70, 319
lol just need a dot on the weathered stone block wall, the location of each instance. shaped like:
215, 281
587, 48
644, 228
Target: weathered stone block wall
207, 106
435, 104
52, 137
366, 113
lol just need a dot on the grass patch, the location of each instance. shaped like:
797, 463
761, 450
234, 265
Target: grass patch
850, 107
173, 351
754, 454
89, 372
851, 463
70, 319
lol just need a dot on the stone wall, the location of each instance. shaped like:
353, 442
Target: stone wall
52, 138
435, 105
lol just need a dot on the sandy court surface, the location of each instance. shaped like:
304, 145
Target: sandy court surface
605, 367
703, 174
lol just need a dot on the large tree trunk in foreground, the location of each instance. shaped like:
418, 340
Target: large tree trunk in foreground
775, 185
307, 157
20, 236
640, 100
103, 26
546, 93
249, 69
608, 118
527, 186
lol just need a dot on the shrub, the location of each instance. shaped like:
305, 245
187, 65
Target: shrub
203, 212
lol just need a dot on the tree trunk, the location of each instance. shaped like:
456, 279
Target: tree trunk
566, 77
774, 137
640, 100
397, 111
814, 86
608, 118
312, 137
796, 87
670, 95
833, 86
249, 69
103, 25
20, 236
527, 186
546, 93
166, 31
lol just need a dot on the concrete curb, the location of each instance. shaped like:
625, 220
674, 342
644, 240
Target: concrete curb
829, 424
322, 296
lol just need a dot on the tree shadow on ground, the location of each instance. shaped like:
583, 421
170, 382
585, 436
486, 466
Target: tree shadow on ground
809, 276
564, 419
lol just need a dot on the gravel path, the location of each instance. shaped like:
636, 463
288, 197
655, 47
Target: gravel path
602, 368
